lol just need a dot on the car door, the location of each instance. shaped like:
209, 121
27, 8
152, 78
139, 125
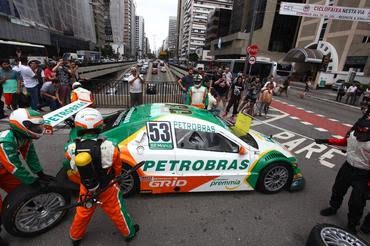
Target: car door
212, 159
154, 144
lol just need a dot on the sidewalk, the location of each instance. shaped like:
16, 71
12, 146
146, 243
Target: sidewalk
327, 95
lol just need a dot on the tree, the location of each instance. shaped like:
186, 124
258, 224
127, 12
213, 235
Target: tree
107, 51
193, 57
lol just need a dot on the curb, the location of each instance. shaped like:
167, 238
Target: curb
328, 100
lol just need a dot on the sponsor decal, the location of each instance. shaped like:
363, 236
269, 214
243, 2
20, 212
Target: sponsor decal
229, 184
194, 166
194, 126
129, 114
167, 182
57, 116
159, 135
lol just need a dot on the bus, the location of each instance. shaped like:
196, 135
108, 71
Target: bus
12, 49
263, 67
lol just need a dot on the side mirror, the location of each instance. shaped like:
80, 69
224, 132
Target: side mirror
242, 150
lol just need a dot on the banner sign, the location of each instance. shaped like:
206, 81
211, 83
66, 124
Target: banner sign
325, 11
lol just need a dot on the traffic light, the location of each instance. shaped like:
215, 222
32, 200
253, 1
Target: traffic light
325, 63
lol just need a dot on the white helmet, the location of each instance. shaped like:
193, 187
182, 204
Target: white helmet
198, 79
27, 122
76, 85
88, 118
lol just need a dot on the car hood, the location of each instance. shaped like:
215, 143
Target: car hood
266, 143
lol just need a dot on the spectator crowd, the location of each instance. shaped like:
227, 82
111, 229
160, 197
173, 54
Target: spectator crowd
30, 84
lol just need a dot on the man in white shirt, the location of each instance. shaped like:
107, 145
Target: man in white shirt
135, 83
30, 82
229, 76
351, 92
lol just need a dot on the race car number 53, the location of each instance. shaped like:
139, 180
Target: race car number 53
159, 134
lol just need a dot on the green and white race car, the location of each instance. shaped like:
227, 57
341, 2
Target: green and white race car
187, 149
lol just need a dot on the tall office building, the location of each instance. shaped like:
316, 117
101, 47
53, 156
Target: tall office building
57, 24
139, 35
274, 34
195, 19
172, 35
129, 27
218, 25
346, 42
180, 24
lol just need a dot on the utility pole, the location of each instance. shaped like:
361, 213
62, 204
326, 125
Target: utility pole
253, 24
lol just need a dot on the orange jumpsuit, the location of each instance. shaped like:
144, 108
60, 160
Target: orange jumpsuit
111, 200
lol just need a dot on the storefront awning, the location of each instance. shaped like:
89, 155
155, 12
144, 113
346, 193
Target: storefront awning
303, 55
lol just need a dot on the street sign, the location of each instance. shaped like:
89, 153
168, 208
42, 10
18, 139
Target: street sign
252, 50
325, 11
252, 60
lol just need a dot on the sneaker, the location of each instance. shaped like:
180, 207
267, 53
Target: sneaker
365, 227
3, 242
76, 242
137, 228
328, 211
352, 228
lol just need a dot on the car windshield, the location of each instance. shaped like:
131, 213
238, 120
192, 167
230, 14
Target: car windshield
114, 119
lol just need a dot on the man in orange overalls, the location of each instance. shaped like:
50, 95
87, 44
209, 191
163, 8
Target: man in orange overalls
97, 162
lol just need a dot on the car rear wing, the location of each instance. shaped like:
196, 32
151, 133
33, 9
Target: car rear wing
57, 116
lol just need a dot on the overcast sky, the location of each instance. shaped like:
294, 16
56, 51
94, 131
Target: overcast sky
156, 14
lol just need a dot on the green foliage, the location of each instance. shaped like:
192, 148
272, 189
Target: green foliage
107, 51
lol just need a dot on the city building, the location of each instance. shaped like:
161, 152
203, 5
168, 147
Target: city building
172, 35
129, 28
58, 25
218, 25
179, 27
195, 20
139, 35
99, 7
347, 43
273, 33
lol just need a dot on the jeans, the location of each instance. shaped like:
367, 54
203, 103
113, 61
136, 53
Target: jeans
34, 94
53, 104
136, 99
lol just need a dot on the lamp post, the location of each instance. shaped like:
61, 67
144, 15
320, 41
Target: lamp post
253, 24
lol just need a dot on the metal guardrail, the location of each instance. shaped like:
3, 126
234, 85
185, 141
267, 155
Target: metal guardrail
178, 71
116, 93
95, 71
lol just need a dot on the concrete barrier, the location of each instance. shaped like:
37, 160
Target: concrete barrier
95, 71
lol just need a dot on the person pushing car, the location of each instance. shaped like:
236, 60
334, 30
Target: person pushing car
354, 172
97, 162
25, 125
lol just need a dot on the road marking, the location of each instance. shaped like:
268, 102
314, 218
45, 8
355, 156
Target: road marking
321, 115
349, 125
308, 111
293, 117
337, 136
334, 120
321, 129
301, 108
306, 123
276, 117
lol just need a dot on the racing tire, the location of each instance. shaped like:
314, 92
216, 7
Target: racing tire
26, 210
327, 234
274, 178
130, 185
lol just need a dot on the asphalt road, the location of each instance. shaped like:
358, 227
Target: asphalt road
228, 218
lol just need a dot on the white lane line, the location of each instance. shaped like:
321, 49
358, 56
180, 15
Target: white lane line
276, 117
321, 129
309, 111
301, 108
321, 115
306, 123
337, 136
334, 120
349, 125
291, 105
293, 117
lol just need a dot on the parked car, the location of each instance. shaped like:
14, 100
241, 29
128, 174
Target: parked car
154, 70
163, 69
337, 84
143, 70
125, 77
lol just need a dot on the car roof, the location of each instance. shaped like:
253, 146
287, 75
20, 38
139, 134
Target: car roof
147, 112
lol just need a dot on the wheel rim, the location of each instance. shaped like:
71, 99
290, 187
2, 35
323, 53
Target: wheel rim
333, 236
126, 184
36, 214
276, 178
